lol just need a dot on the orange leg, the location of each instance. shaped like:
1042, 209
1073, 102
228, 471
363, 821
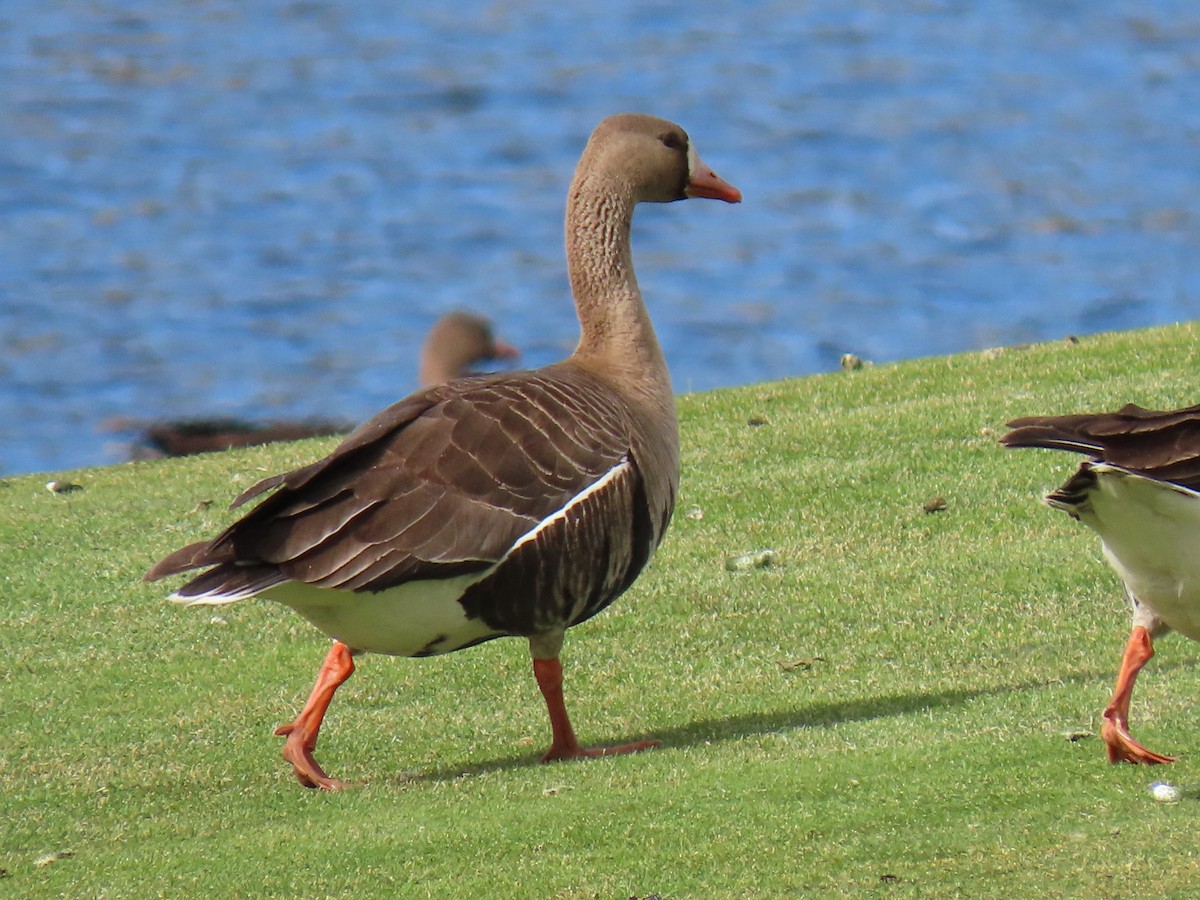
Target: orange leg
1115, 727
563, 744
302, 733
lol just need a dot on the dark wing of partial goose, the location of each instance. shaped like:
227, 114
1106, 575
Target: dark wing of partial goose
441, 484
1162, 444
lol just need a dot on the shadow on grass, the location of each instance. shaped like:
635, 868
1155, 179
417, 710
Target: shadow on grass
811, 715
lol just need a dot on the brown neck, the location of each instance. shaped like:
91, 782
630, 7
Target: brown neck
439, 364
617, 337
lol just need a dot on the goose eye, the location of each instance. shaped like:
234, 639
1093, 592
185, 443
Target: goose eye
672, 141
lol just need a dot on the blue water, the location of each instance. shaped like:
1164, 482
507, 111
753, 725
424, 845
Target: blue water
256, 208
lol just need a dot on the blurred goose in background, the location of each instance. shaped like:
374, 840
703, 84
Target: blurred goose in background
517, 504
186, 437
457, 344
1138, 491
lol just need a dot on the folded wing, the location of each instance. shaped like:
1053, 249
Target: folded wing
442, 484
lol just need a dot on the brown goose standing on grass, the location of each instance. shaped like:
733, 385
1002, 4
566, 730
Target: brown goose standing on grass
517, 504
1138, 491
457, 343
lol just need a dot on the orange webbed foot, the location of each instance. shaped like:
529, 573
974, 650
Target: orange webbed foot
1122, 747
299, 753
555, 754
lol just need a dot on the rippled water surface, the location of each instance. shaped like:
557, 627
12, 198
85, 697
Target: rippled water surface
256, 208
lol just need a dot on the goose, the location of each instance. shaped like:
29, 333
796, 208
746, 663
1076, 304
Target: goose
517, 504
1138, 490
187, 437
457, 343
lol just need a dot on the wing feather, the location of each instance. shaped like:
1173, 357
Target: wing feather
1160, 444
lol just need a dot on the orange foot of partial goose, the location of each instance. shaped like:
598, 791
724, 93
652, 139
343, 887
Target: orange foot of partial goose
302, 733
563, 744
1115, 728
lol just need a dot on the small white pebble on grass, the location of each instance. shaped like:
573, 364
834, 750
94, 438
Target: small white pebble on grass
1164, 792
217, 620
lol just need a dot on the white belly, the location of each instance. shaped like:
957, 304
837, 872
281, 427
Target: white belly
419, 618
1151, 535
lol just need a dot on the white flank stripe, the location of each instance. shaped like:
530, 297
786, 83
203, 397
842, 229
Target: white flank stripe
598, 485
210, 598
217, 597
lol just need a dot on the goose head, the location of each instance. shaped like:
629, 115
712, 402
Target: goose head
654, 160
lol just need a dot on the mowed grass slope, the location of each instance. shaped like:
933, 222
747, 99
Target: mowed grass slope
886, 710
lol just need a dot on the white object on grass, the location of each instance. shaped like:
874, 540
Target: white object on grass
1164, 792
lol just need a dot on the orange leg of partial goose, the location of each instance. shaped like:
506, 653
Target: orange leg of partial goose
302, 733
1115, 727
563, 744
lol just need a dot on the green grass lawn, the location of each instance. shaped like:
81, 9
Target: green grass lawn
884, 711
